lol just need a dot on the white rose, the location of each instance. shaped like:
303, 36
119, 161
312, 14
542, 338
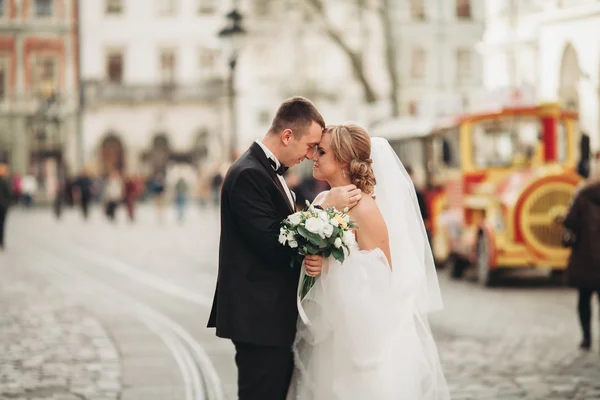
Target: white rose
282, 236
327, 230
293, 244
323, 216
291, 236
347, 218
337, 243
314, 225
295, 219
334, 222
348, 238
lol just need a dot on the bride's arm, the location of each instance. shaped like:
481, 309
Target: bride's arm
372, 230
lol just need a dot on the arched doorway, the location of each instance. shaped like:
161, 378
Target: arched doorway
112, 155
158, 156
569, 79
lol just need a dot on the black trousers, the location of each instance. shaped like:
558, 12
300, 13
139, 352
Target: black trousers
585, 310
85, 206
3, 212
264, 373
111, 208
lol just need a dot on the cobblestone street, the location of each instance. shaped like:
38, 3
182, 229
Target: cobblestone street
94, 310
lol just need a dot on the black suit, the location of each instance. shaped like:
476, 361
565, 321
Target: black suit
255, 298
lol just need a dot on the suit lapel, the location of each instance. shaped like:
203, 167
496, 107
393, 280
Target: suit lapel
262, 158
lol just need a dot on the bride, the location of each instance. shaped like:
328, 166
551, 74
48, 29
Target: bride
363, 330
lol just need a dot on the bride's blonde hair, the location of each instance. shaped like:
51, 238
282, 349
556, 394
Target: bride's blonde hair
351, 146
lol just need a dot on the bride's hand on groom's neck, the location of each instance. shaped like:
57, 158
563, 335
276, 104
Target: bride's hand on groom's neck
341, 197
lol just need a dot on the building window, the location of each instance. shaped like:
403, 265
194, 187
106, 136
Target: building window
114, 67
114, 6
463, 9
208, 61
207, 6
167, 67
417, 67
463, 65
167, 8
417, 9
44, 76
44, 8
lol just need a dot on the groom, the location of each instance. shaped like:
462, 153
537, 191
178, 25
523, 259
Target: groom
255, 297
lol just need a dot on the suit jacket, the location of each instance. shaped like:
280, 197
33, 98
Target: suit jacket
255, 297
583, 219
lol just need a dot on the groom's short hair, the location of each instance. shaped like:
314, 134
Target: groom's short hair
296, 113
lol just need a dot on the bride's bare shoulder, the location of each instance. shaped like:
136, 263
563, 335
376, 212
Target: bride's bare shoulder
365, 206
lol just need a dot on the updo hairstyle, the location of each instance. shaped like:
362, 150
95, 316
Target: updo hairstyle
351, 146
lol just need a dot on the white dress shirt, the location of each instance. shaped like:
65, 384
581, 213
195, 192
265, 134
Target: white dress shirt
271, 156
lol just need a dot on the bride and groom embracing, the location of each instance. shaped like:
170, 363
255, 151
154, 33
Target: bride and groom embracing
364, 331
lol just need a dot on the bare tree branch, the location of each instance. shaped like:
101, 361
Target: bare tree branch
354, 57
390, 56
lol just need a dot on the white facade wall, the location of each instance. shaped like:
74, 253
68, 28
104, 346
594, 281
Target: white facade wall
286, 52
140, 32
441, 34
537, 33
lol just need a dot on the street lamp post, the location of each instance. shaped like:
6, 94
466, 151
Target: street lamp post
232, 35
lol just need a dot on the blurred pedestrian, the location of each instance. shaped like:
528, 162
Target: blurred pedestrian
181, 192
157, 190
595, 167
83, 191
217, 182
29, 186
5, 200
16, 186
582, 224
113, 194
132, 191
62, 187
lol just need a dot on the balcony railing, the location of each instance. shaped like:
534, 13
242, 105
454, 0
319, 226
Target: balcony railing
97, 93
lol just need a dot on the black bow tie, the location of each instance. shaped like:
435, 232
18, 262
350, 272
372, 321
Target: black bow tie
282, 168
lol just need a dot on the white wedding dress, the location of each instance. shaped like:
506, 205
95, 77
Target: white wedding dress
363, 330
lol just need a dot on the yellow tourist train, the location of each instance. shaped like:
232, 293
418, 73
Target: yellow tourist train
496, 184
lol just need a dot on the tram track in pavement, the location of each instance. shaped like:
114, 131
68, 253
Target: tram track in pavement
201, 382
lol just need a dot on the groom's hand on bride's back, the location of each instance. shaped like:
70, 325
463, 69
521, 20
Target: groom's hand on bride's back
313, 264
342, 196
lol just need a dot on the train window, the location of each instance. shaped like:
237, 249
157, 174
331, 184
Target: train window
504, 142
447, 149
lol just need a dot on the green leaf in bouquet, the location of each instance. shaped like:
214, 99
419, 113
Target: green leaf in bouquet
314, 251
304, 232
338, 254
336, 232
311, 237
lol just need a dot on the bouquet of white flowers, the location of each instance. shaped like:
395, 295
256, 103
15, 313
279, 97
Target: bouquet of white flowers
326, 232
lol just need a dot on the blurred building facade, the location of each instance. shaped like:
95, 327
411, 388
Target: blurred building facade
152, 78
548, 47
39, 87
154, 74
296, 48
